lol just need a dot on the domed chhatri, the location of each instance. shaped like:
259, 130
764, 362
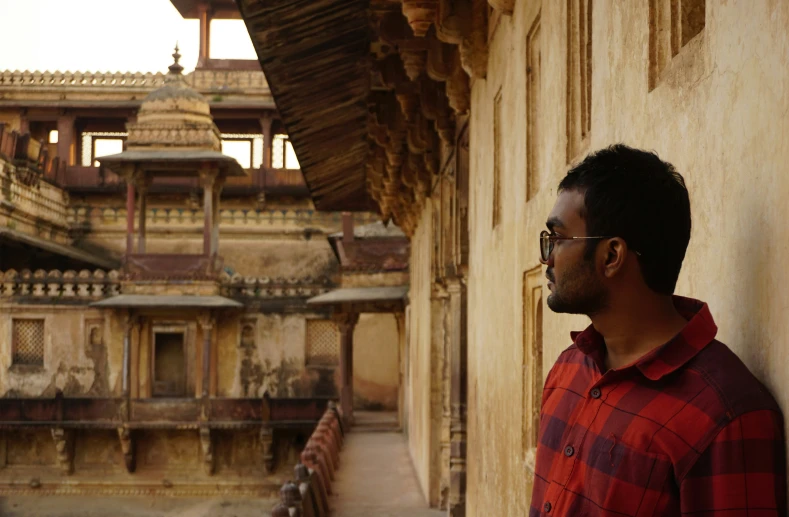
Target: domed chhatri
174, 117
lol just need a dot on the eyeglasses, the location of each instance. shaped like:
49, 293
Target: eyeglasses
547, 240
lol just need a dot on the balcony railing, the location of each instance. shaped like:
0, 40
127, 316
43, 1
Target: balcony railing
205, 80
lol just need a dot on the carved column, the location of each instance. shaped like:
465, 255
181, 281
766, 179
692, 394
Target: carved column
64, 447
401, 361
207, 181
267, 446
129, 216
456, 288
204, 14
128, 326
439, 448
206, 322
217, 191
65, 138
265, 124
142, 194
346, 322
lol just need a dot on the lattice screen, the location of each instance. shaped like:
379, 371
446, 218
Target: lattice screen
323, 343
28, 342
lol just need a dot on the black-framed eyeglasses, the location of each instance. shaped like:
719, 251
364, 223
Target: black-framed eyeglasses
547, 241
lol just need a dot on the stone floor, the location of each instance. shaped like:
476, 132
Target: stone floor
376, 476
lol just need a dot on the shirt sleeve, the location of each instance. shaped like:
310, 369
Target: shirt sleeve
742, 472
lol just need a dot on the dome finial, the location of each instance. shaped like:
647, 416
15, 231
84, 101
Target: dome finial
175, 68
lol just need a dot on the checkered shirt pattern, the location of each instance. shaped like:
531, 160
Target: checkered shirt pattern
685, 430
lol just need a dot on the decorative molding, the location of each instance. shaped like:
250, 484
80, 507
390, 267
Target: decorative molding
64, 449
267, 446
128, 447
207, 447
204, 81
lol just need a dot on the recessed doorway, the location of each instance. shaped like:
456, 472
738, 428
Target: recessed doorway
169, 365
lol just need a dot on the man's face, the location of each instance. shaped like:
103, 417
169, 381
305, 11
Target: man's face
575, 284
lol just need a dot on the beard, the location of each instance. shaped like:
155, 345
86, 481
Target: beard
577, 291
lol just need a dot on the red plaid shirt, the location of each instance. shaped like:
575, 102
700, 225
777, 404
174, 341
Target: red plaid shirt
685, 430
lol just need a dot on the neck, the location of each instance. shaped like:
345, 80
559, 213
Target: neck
633, 328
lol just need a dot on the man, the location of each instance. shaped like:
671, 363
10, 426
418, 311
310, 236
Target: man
646, 413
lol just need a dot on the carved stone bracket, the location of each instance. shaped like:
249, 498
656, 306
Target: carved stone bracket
420, 14
207, 447
267, 447
128, 447
64, 448
505, 6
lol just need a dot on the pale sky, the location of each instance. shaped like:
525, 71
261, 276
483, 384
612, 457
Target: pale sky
108, 36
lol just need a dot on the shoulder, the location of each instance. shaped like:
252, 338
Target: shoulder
738, 390
566, 366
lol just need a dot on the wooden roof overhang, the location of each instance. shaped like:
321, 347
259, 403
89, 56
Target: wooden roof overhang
220, 9
317, 53
368, 91
363, 299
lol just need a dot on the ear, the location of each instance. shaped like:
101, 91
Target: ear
614, 252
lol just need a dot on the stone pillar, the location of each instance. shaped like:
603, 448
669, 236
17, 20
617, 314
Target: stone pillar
24, 122
457, 326
401, 359
207, 181
346, 322
206, 322
129, 216
217, 191
265, 124
204, 14
128, 323
66, 139
142, 193
438, 447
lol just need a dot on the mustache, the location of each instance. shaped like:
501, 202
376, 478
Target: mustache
549, 275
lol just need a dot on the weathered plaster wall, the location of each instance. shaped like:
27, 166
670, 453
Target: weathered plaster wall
264, 352
376, 361
718, 114
73, 362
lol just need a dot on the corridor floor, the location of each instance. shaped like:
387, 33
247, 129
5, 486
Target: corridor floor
376, 476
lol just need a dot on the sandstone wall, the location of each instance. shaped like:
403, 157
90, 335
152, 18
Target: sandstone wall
78, 360
376, 360
717, 112
422, 372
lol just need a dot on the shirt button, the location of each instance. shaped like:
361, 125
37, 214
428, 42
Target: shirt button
569, 451
595, 393
547, 507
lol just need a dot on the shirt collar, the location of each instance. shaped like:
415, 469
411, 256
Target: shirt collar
698, 333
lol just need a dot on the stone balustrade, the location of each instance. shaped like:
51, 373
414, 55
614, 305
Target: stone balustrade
174, 217
205, 81
237, 286
36, 200
98, 284
308, 495
56, 284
